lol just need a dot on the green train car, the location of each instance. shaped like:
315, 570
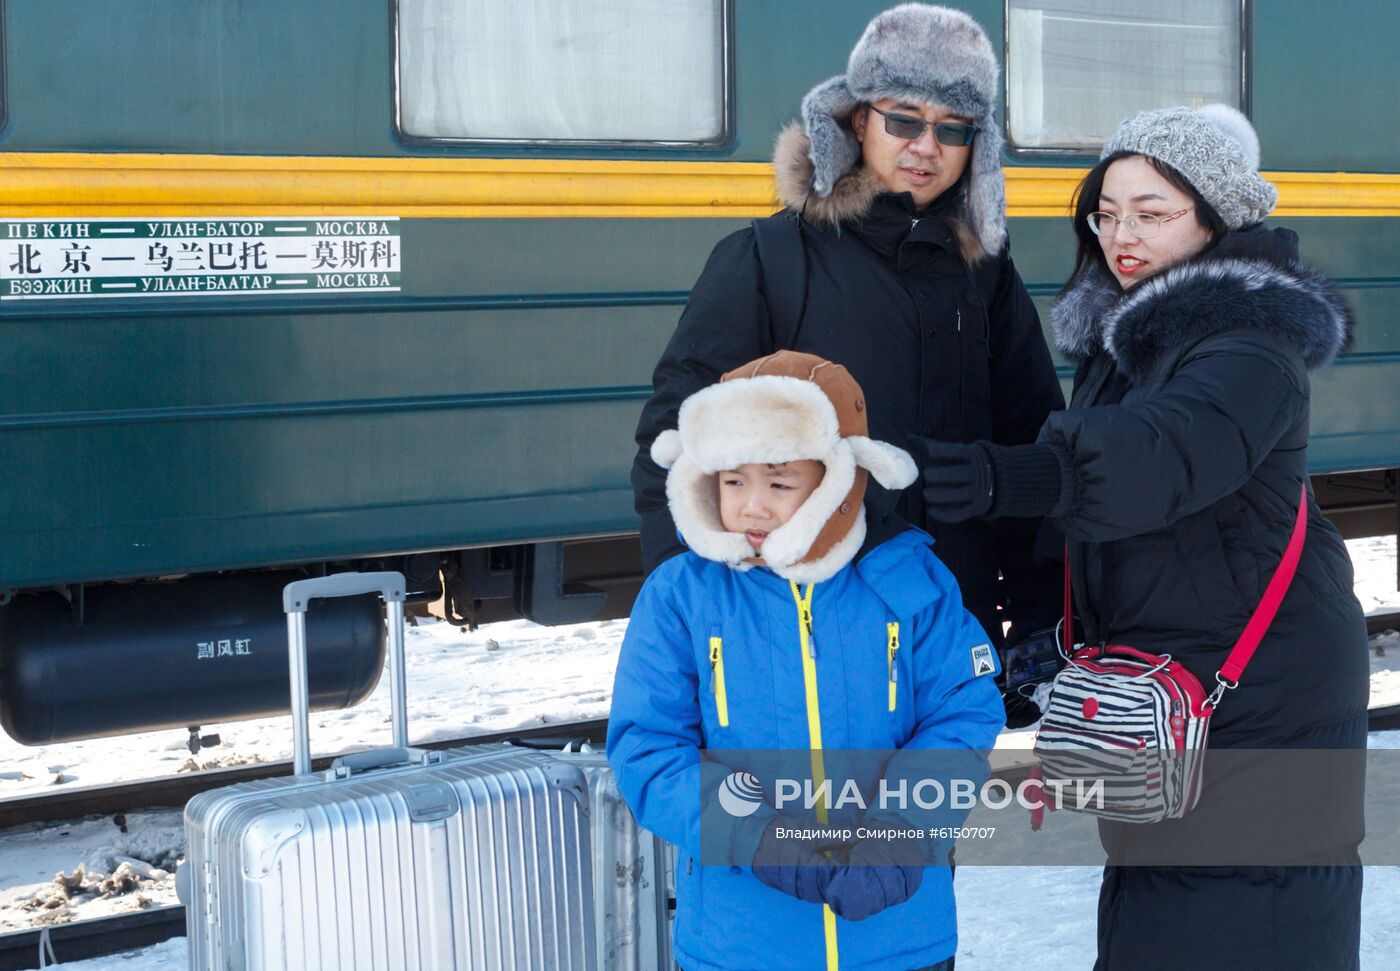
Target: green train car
290, 285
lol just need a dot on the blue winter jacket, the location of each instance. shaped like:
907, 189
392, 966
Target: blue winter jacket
714, 659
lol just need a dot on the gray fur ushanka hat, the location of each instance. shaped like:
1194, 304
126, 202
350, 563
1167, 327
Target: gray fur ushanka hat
924, 53
1214, 147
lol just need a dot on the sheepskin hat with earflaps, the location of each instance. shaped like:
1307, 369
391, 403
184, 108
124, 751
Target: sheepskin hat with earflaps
780, 408
924, 53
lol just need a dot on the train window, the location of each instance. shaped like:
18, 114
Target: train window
1076, 68
621, 72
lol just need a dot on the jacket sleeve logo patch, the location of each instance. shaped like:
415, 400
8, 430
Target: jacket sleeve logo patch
982, 662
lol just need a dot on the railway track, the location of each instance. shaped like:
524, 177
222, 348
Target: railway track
108, 935
1389, 620
176, 790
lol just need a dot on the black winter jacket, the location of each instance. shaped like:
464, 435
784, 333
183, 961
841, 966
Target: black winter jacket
943, 339
1185, 447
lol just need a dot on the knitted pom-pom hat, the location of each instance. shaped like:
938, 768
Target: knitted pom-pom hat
780, 408
1214, 147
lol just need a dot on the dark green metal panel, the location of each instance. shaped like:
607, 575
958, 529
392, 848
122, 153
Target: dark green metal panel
482, 406
239, 76
1324, 85
493, 400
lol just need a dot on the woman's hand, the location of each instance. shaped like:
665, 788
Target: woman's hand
957, 479
983, 479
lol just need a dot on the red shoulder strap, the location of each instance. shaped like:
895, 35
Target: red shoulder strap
1263, 614
1273, 596
1067, 642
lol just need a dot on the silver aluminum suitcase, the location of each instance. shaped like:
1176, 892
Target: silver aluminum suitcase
634, 884
394, 858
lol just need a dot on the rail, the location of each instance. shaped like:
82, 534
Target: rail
176, 790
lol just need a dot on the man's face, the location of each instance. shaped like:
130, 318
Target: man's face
756, 499
923, 166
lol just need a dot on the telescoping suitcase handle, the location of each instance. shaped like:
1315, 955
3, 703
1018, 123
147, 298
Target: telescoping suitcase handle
295, 598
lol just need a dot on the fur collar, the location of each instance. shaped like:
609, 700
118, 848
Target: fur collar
850, 198
1193, 300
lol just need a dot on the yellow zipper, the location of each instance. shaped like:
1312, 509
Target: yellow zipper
717, 682
814, 738
892, 629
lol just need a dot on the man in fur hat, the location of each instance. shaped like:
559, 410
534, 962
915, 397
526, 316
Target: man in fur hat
895, 210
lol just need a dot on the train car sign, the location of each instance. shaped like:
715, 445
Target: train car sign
86, 258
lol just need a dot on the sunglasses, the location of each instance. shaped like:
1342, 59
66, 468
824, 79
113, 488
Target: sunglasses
947, 132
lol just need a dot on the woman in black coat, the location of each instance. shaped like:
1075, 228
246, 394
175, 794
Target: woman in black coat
1175, 474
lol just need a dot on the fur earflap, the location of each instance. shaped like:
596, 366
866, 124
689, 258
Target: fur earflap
826, 567
694, 503
986, 188
892, 467
826, 112
789, 543
667, 448
850, 198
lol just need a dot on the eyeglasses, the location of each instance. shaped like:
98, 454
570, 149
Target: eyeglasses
1143, 225
907, 126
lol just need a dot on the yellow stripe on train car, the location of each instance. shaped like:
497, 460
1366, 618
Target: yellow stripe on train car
58, 184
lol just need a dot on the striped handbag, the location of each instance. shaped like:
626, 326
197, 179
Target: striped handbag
1124, 733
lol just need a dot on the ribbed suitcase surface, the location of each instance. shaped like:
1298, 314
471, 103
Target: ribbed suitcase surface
634, 886
395, 859
480, 862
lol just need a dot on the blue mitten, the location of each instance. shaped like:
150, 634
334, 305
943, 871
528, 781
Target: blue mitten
882, 873
795, 867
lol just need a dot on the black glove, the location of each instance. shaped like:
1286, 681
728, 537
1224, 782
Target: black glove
881, 874
1021, 712
965, 481
957, 480
796, 867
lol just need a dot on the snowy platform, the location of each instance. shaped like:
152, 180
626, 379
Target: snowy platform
517, 675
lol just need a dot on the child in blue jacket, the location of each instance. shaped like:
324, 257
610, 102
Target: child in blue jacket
777, 631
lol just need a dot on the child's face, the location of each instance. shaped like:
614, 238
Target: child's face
756, 499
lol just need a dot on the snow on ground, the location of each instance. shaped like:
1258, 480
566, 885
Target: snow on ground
1374, 562
1040, 917
517, 675
1373, 559
95, 867
170, 956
